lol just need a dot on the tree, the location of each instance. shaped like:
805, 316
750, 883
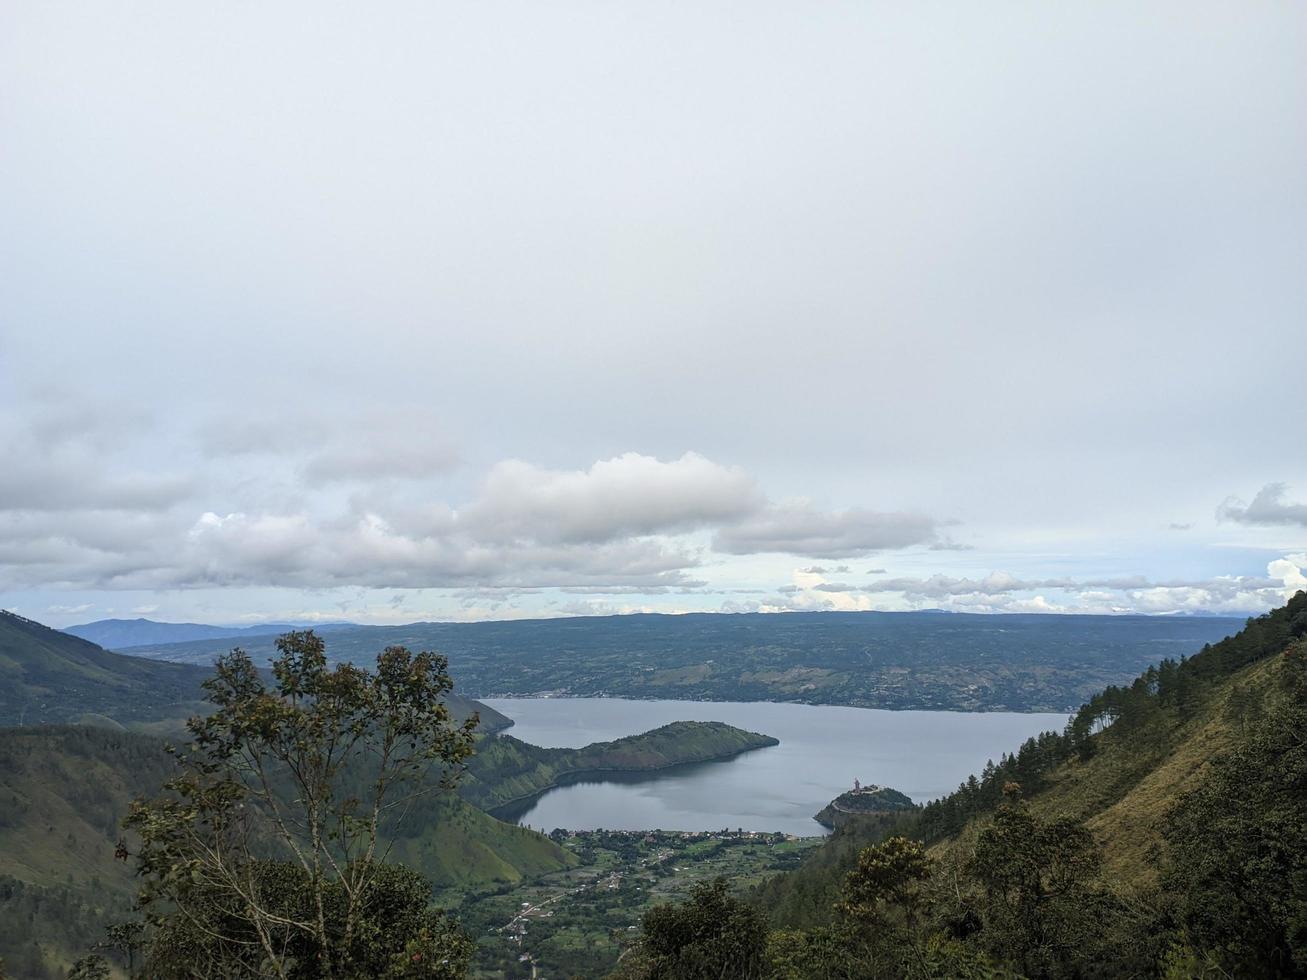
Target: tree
1043, 906
90, 968
1236, 856
268, 853
713, 935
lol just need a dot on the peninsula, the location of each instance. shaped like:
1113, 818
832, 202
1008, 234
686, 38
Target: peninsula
506, 770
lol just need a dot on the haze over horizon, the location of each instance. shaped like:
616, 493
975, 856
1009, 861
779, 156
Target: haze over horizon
512, 310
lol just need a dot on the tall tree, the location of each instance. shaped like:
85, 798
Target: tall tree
1043, 905
268, 851
712, 936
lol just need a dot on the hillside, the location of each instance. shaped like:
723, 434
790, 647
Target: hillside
954, 662
506, 770
1169, 812
65, 789
47, 676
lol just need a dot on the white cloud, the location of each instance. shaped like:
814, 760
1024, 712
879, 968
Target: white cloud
625, 524
627, 495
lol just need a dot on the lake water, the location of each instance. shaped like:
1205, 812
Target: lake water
924, 754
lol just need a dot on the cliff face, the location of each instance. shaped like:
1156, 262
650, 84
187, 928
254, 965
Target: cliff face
866, 801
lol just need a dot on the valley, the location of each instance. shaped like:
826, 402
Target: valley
580, 921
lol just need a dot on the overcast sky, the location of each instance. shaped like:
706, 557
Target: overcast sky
436, 310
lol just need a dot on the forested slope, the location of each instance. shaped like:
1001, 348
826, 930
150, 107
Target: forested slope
1168, 818
64, 791
51, 677
47, 677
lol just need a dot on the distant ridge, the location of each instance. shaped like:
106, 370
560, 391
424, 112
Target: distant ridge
123, 634
918, 660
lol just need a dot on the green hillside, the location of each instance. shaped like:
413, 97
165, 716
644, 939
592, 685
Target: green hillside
1162, 834
51, 677
506, 770
65, 789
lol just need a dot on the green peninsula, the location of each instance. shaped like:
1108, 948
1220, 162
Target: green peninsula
507, 770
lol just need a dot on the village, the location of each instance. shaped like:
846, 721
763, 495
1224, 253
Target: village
591, 913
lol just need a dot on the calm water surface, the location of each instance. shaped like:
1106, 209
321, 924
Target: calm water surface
823, 749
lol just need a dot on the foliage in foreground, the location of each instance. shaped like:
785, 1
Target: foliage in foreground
267, 856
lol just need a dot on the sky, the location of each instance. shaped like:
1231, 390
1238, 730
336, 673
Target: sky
457, 311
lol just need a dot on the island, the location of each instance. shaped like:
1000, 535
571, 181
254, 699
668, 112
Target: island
863, 802
506, 771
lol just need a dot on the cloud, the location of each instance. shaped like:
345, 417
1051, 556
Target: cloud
382, 455
244, 436
798, 528
263, 549
1268, 508
627, 495
403, 444
951, 546
63, 484
54, 462
1002, 592
631, 523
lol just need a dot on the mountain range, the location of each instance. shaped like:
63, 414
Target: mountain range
917, 660
123, 634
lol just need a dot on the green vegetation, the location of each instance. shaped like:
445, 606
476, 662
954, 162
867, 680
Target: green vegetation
952, 662
50, 677
579, 922
267, 855
65, 790
265, 750
1161, 835
711, 935
506, 770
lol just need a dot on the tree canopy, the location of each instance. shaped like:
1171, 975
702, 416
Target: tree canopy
266, 856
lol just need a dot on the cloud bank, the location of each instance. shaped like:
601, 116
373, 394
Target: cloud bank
630, 522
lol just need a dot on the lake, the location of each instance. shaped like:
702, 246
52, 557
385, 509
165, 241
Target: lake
924, 754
